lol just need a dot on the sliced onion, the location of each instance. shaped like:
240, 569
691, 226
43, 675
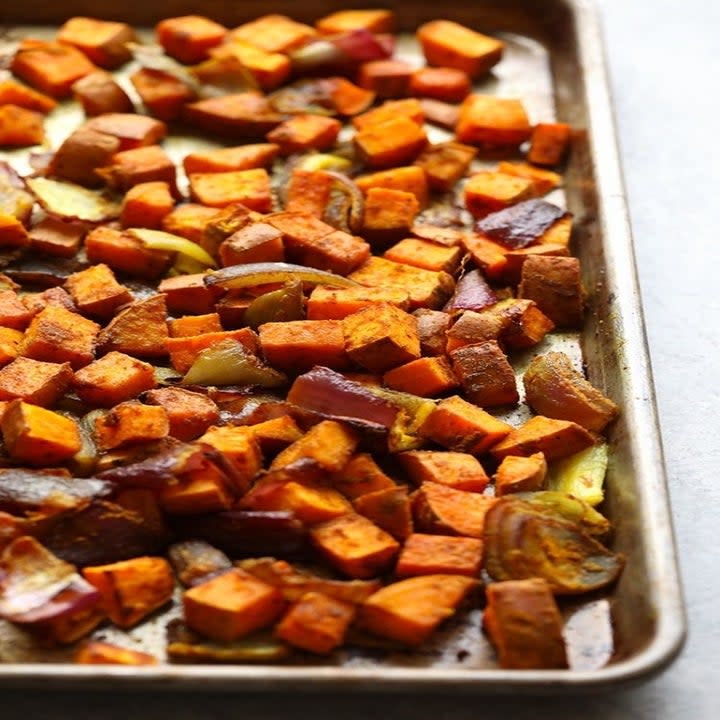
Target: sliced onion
352, 219
15, 200
254, 274
323, 161
317, 54
68, 200
160, 240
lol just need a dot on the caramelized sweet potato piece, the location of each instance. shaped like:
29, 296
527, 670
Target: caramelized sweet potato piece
239, 448
442, 83
305, 132
276, 434
130, 423
426, 377
188, 294
101, 653
243, 157
96, 292
361, 476
432, 326
543, 180
190, 38
36, 302
308, 192
349, 99
488, 120
13, 93
388, 214
189, 221
163, 94
430, 554
520, 474
488, 192
98, 93
20, 127
184, 350
409, 179
389, 509
445, 164
386, 78
548, 143
274, 33
133, 131
410, 610
112, 379
190, 414
9, 344
139, 165
424, 254
489, 256
326, 303
440, 113
522, 224
57, 237
269, 69
299, 345
36, 382
374, 21
81, 154
125, 253
393, 142
249, 187
457, 470
409, 108
258, 242
146, 205
12, 232
204, 489
13, 313
104, 43
472, 292
241, 115
132, 589
485, 374
139, 330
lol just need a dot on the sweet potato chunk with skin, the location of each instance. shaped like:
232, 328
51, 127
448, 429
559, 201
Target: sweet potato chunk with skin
146, 205
258, 242
555, 284
190, 414
276, 434
98, 93
488, 255
457, 470
36, 382
430, 554
553, 438
555, 389
389, 213
375, 21
139, 165
125, 253
12, 232
36, 302
274, 33
269, 69
231, 605
445, 163
132, 589
243, 157
389, 509
426, 377
548, 143
447, 511
246, 114
190, 38
239, 448
432, 326
249, 187
38, 437
361, 476
326, 303
202, 490
411, 610
424, 254
130, 423
58, 238
515, 259
488, 192
13, 93
299, 345
305, 132
380, 337
485, 374
393, 142
112, 379
449, 44
9, 344
525, 625
50, 67
184, 350
96, 292
139, 330
188, 294
490, 121
102, 653
442, 83
386, 78
189, 221
409, 179
316, 623
20, 127
58, 335
163, 94
133, 131
409, 108
355, 546
520, 474
104, 43
81, 154
543, 180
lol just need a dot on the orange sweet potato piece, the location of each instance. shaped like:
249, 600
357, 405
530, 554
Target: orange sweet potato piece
276, 434
50, 67
424, 254
257, 242
81, 154
104, 43
361, 476
163, 94
441, 509
445, 163
269, 69
409, 179
58, 238
58, 335
515, 259
239, 448
520, 474
96, 292
12, 232
35, 302
316, 623
101, 653
231, 605
36, 382
20, 127
305, 132
485, 374
386, 78
409, 108
112, 379
274, 33
549, 143
326, 303
145, 205
240, 115
98, 93
459, 425
125, 253
190, 414
441, 83
184, 350
190, 38
132, 589
389, 509
355, 546
488, 120
349, 99
130, 423
202, 490
456, 470
299, 345
543, 180
13, 93
249, 187
432, 327
430, 554
375, 21
189, 221
133, 131
488, 255
13, 314
393, 142
39, 437
487, 192
139, 330
243, 157
449, 44
308, 192
389, 213
426, 377
188, 294
410, 610
9, 344
145, 164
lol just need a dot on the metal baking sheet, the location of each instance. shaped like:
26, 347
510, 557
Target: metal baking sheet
554, 62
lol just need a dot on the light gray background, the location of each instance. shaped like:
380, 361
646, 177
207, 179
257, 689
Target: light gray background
664, 58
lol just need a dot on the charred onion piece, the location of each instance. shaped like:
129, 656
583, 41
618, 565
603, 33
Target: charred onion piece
520, 225
280, 305
159, 240
195, 560
254, 274
471, 293
68, 200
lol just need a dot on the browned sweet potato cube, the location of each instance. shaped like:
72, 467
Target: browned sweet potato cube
424, 254
548, 143
426, 377
145, 205
133, 131
57, 237
543, 180
305, 132
488, 120
112, 379
15, 93
520, 474
188, 294
389, 213
249, 187
9, 344
309, 192
276, 434
139, 165
189, 38
326, 303
98, 93
445, 163
163, 94
409, 108
393, 142
20, 127
386, 78
299, 345
442, 83
257, 242
102, 653
274, 33
243, 157
140, 329
389, 509
360, 476
457, 470
409, 179
488, 192
429, 554
440, 113
485, 374
432, 326
190, 414
268, 69
189, 221
240, 115
104, 43
129, 423
36, 382
125, 253
96, 292
12, 232
374, 21
81, 154
239, 448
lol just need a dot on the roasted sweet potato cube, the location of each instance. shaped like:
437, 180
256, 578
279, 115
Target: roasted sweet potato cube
36, 382
20, 127
559, 233
424, 254
430, 554
410, 610
386, 78
299, 345
348, 99
99, 93
189, 221
140, 329
13, 93
274, 33
257, 242
305, 132
96, 292
543, 180
389, 213
441, 509
555, 285
239, 448
355, 546
488, 255
316, 623
232, 605
276, 434
204, 489
409, 179
38, 437
380, 337
459, 425
487, 192
490, 121
549, 143
133, 131
58, 335
58, 238
425, 288
525, 625
440, 113
445, 163
409, 108
139, 165
269, 69
50, 67
188, 294
190, 414
101, 653
553, 438
249, 187
36, 302
81, 154
457, 470
130, 423
441, 83
246, 114
449, 44
145, 205
243, 157
375, 21
326, 303
389, 509
12, 232
9, 344
361, 476
105, 43
393, 142
445, 236
112, 379
308, 192
520, 474
485, 374
190, 38
184, 350
432, 326
125, 253
162, 93
515, 259
426, 377
132, 589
